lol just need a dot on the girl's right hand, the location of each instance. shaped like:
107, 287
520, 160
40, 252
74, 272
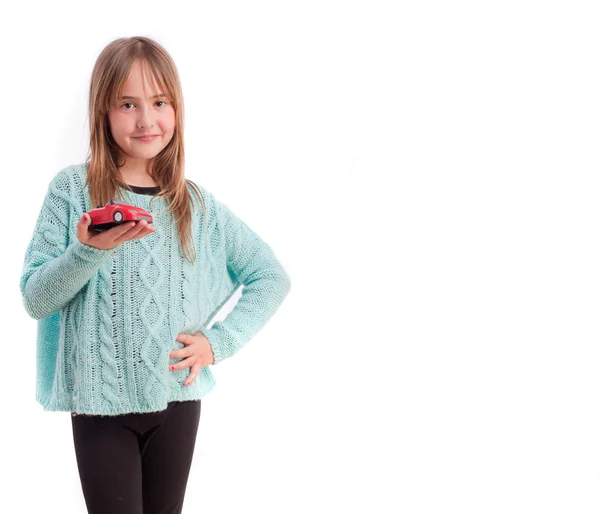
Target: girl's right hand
113, 237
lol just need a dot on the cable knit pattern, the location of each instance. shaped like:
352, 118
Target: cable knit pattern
108, 319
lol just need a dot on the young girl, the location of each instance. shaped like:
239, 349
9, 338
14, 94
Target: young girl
122, 340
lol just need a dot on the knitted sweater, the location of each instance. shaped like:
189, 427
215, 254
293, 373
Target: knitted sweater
108, 319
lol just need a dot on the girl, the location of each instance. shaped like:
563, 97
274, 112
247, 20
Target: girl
122, 340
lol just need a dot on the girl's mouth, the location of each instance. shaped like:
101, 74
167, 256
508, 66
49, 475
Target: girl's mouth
146, 139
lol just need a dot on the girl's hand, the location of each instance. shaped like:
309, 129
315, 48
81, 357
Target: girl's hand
113, 237
198, 352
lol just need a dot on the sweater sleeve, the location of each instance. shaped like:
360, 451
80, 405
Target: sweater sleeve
252, 263
53, 273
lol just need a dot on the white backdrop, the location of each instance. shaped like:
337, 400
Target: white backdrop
427, 173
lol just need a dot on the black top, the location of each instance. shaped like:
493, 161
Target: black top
151, 190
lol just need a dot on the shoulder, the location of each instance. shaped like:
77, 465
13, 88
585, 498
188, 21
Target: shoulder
212, 199
191, 185
67, 178
217, 211
198, 191
65, 190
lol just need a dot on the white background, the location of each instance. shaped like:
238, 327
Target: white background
427, 173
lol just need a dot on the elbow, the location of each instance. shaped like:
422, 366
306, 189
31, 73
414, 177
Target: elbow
32, 310
29, 310
31, 298
32, 307
281, 277
26, 296
287, 282
284, 281
274, 281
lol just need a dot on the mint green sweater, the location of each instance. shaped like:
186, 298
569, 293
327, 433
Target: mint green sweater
108, 319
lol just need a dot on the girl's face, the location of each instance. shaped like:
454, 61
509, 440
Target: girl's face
137, 115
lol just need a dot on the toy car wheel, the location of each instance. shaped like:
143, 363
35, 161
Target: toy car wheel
118, 216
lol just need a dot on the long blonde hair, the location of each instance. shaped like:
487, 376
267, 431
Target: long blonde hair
167, 168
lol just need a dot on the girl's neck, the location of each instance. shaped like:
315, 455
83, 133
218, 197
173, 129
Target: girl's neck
137, 179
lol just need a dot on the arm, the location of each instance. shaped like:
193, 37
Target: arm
266, 283
53, 273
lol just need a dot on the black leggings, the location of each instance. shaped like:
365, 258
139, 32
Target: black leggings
136, 463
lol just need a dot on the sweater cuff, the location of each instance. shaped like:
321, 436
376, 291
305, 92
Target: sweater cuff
215, 344
89, 253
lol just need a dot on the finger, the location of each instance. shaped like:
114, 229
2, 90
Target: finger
119, 230
140, 230
82, 226
181, 337
185, 363
192, 376
184, 338
138, 227
131, 230
181, 353
147, 230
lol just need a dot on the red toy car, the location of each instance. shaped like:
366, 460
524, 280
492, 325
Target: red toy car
112, 214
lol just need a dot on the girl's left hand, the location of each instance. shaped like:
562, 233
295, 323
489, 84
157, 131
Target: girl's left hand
198, 352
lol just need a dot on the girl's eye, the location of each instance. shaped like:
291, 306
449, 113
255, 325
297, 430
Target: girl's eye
126, 103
